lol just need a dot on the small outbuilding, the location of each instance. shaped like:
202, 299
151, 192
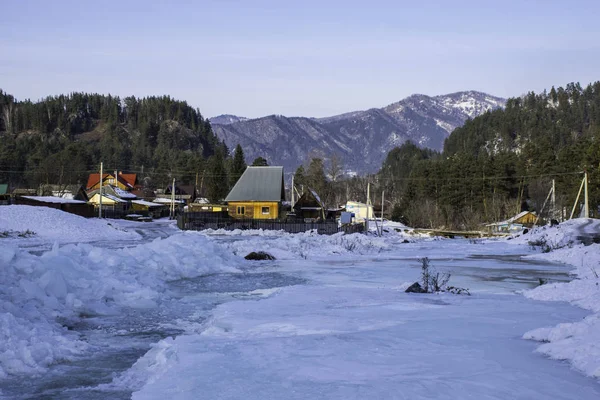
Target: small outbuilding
309, 206
68, 205
4, 194
515, 224
361, 211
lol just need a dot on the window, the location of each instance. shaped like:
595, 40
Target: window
265, 210
241, 210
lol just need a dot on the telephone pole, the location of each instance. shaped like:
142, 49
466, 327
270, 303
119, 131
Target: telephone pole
173, 200
586, 212
100, 193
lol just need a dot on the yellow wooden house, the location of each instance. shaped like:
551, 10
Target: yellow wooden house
257, 194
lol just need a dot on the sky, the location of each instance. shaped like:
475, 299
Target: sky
296, 58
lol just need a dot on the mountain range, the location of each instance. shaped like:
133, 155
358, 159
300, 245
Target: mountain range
361, 139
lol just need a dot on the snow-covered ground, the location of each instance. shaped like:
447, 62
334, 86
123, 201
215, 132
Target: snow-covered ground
577, 342
34, 225
327, 319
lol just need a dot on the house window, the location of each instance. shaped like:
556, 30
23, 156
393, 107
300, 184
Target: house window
265, 210
241, 210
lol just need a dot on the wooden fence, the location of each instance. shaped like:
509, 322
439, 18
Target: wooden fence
198, 221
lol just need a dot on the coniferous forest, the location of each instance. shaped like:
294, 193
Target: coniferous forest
62, 139
493, 167
502, 162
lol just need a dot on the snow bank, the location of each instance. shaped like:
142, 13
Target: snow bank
578, 342
568, 233
55, 225
304, 245
61, 285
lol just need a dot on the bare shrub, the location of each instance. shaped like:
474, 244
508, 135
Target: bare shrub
432, 280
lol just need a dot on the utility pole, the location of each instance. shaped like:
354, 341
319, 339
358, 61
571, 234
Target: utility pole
382, 202
368, 205
553, 198
100, 193
173, 200
583, 183
292, 193
586, 212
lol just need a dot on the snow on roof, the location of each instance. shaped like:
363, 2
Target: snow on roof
164, 200
123, 193
113, 198
316, 196
511, 220
146, 203
353, 204
519, 215
52, 199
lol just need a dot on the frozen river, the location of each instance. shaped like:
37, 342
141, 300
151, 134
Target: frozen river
328, 319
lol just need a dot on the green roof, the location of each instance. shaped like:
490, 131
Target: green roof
259, 184
3, 188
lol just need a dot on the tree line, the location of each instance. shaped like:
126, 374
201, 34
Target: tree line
501, 163
61, 139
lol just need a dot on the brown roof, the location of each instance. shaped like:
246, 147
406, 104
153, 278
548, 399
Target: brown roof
128, 180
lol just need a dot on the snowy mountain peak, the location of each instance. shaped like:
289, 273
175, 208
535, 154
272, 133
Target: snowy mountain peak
361, 138
471, 103
226, 119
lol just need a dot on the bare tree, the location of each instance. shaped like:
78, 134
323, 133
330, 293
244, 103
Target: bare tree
336, 167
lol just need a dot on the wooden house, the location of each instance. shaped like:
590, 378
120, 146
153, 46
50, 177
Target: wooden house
309, 206
113, 198
119, 180
185, 193
153, 209
258, 194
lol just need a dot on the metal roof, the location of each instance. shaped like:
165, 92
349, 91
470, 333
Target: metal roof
259, 184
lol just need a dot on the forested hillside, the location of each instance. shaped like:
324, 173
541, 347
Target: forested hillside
61, 139
502, 162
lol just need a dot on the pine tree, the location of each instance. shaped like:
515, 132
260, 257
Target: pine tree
299, 177
315, 176
217, 185
238, 165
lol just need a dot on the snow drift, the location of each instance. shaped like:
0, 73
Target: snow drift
578, 342
60, 285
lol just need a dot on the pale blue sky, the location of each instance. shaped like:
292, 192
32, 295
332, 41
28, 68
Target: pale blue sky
309, 58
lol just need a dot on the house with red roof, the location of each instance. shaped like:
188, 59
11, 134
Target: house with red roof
119, 180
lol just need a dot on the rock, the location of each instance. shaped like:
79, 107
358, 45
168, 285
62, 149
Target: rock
259, 255
415, 288
404, 241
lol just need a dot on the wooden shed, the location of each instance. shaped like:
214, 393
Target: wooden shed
309, 206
